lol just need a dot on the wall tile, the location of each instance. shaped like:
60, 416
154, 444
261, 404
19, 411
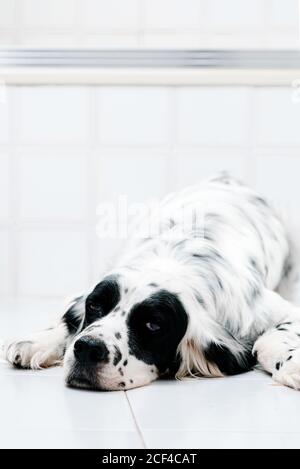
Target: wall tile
230, 39
5, 185
213, 116
282, 41
47, 40
107, 254
4, 115
53, 114
278, 116
110, 14
172, 14
283, 14
133, 116
53, 263
53, 185
195, 166
174, 40
5, 264
111, 41
7, 13
7, 38
47, 13
139, 175
235, 14
278, 179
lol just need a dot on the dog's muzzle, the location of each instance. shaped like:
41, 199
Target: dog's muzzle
90, 355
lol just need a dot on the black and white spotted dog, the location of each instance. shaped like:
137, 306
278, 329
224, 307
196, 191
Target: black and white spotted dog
202, 302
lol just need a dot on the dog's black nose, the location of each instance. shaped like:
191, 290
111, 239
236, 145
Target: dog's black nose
90, 350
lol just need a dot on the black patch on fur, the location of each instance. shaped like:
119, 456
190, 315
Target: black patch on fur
289, 358
282, 329
125, 363
73, 317
278, 366
227, 362
160, 347
118, 356
103, 299
121, 371
118, 335
122, 384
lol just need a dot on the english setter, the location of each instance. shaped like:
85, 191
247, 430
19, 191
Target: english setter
207, 301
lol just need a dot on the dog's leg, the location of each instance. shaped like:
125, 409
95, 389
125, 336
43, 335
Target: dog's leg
46, 348
278, 349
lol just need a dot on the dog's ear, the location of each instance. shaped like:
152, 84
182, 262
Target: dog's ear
194, 363
215, 361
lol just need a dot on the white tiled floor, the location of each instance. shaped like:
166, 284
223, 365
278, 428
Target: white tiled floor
38, 411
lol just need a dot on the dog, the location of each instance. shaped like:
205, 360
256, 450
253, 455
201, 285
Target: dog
202, 298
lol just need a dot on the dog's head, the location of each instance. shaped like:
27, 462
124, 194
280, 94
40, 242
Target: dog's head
130, 336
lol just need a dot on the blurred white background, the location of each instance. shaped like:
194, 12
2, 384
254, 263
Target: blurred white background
66, 149
150, 23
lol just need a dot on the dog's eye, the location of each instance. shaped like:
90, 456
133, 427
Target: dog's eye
93, 307
153, 327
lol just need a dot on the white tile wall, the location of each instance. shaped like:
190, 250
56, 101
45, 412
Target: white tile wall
239, 14
110, 14
6, 264
5, 183
67, 150
278, 117
149, 23
53, 185
53, 262
277, 178
51, 14
7, 16
139, 174
173, 14
194, 166
56, 114
4, 119
283, 17
213, 116
118, 109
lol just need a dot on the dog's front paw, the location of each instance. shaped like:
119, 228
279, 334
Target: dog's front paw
288, 371
31, 354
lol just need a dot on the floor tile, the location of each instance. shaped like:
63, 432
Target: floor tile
220, 440
224, 405
36, 402
69, 439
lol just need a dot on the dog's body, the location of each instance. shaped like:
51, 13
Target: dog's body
198, 299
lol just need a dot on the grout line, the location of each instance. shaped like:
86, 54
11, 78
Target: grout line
249, 162
139, 431
92, 188
15, 188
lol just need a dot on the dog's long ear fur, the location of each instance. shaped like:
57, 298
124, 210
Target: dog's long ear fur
194, 363
216, 360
